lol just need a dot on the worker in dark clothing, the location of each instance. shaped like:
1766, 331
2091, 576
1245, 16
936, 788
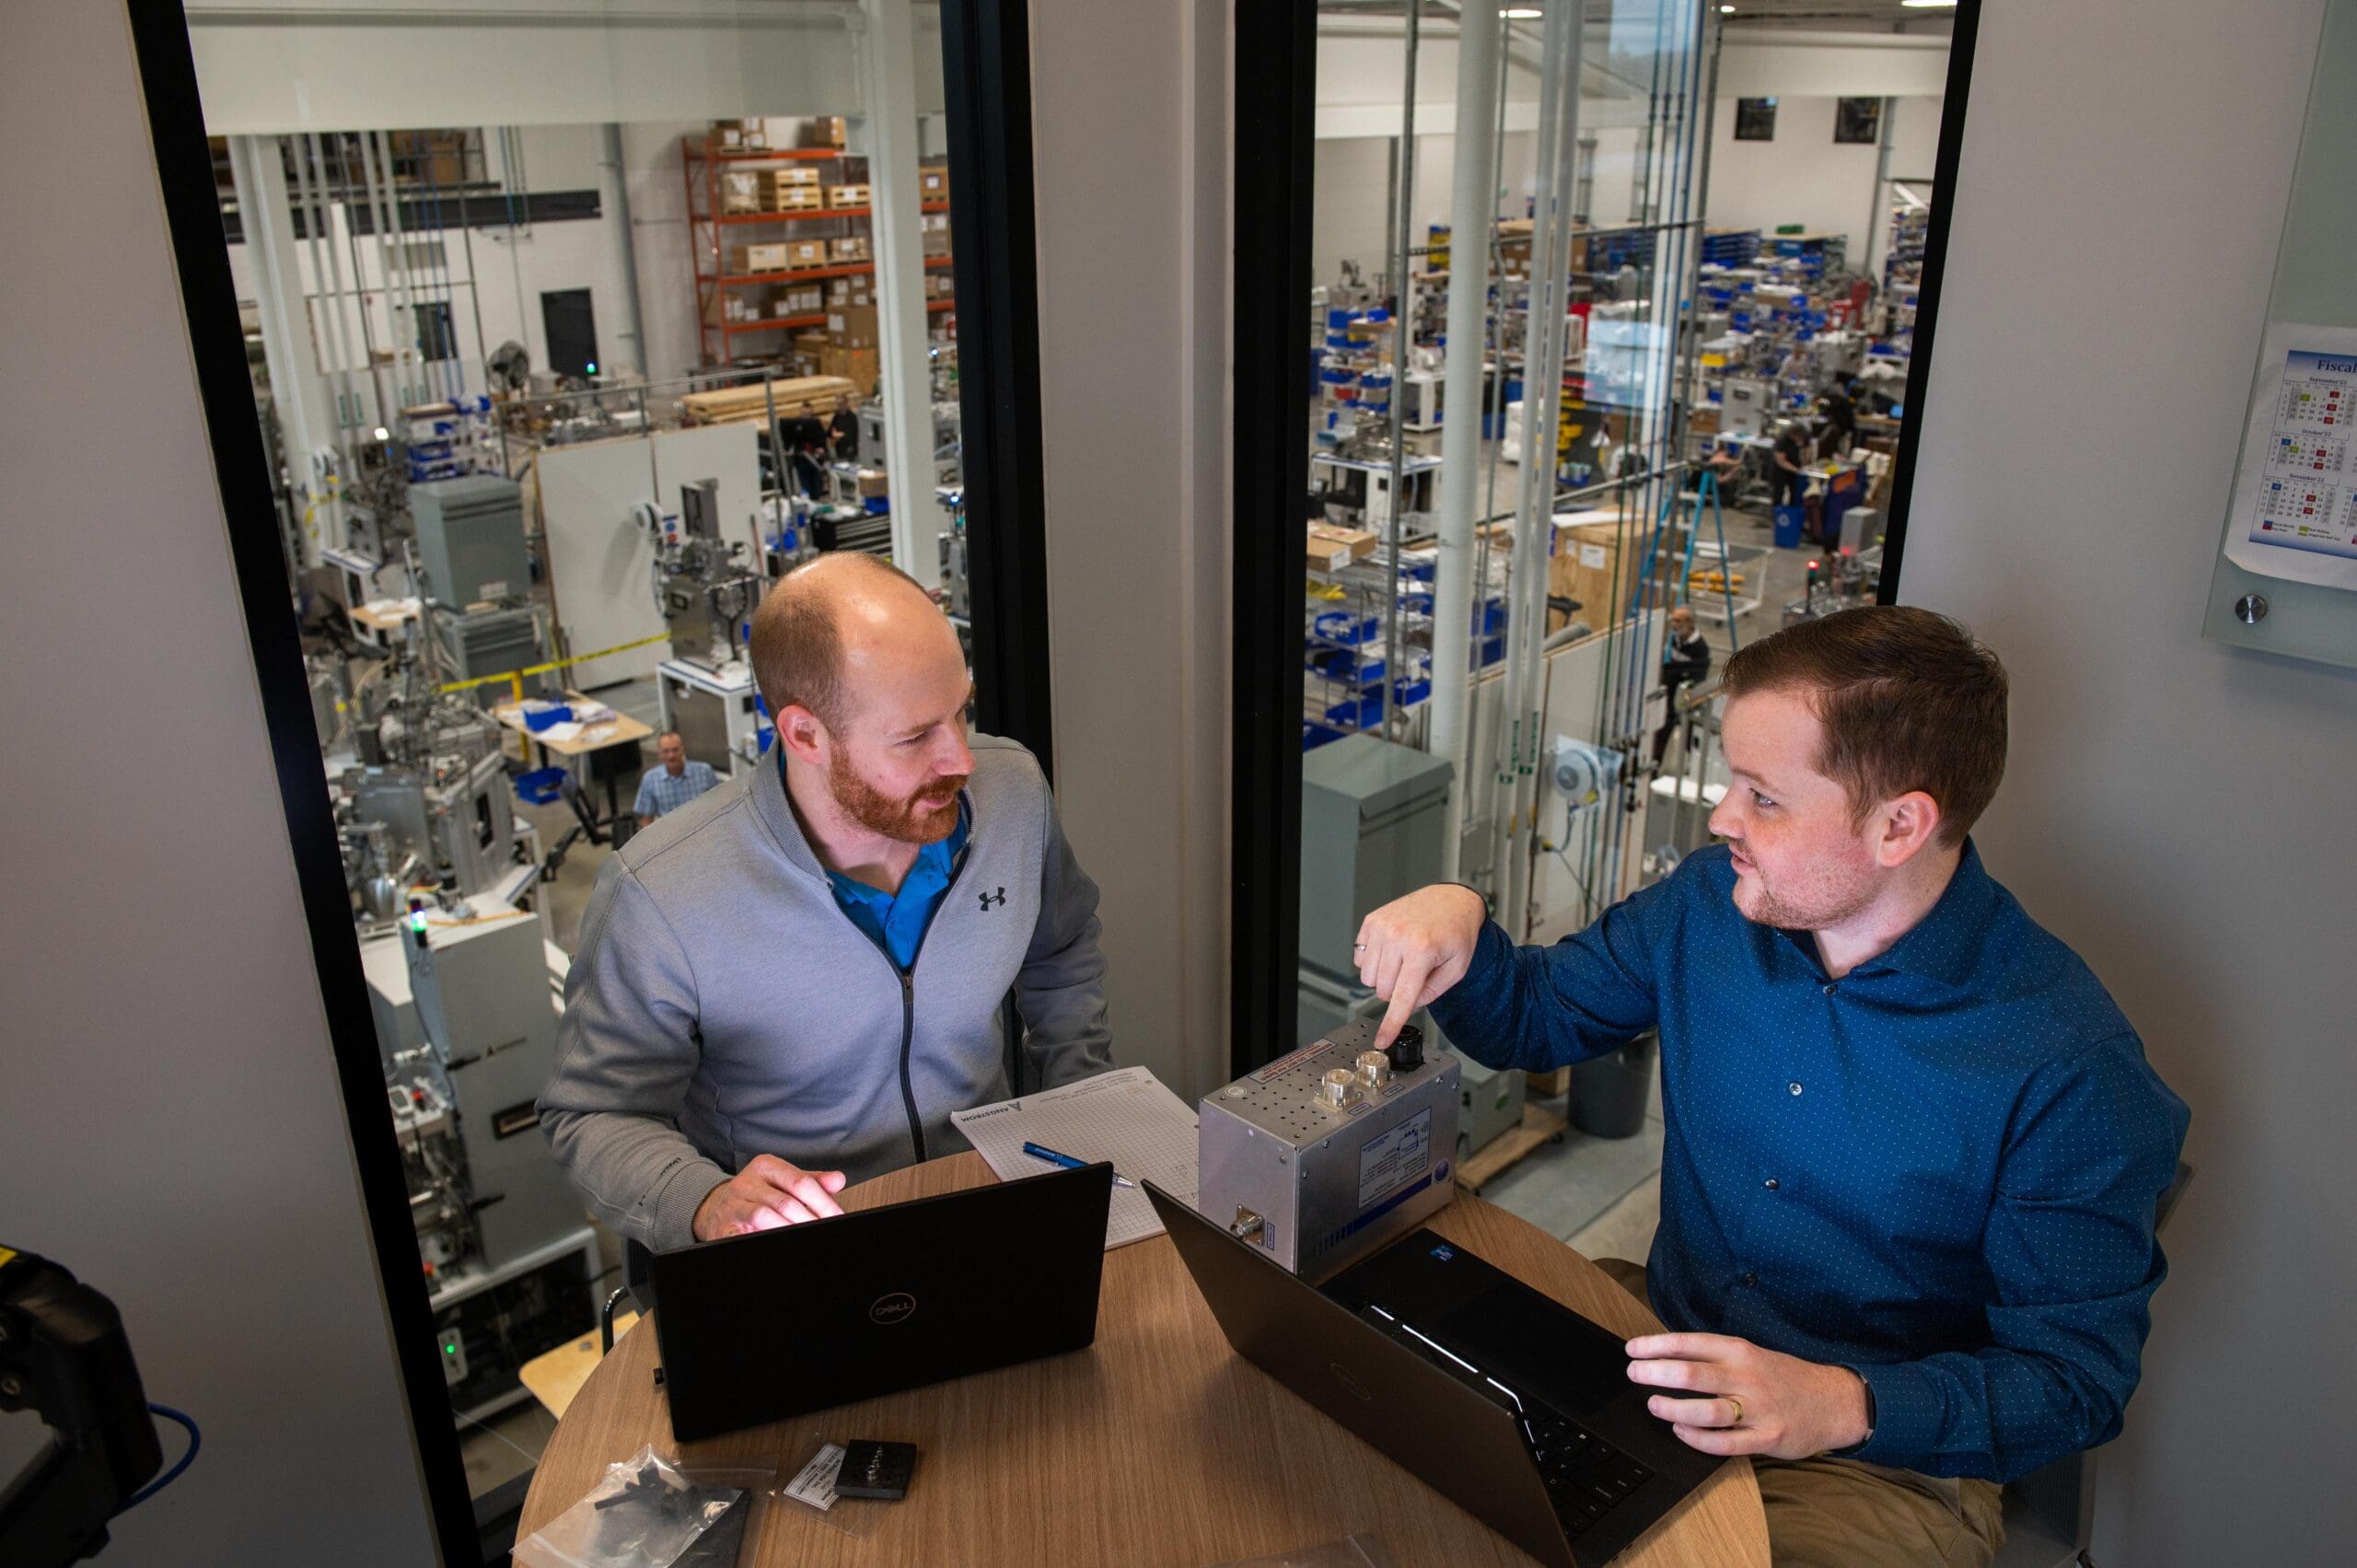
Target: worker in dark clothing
1685, 661
1785, 477
805, 441
1836, 431
843, 433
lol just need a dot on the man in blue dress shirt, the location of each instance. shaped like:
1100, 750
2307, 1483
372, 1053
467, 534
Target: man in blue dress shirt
1912, 1149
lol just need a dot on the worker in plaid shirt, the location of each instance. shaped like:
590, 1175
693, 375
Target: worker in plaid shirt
673, 783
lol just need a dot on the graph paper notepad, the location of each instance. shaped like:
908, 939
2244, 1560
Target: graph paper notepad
1127, 1117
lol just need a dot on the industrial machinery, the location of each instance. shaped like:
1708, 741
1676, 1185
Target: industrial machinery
704, 585
500, 1233
1490, 1101
470, 534
428, 803
1327, 1153
707, 591
469, 644
957, 561
1373, 814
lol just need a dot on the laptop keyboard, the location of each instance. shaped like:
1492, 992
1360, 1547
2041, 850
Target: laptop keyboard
1586, 1477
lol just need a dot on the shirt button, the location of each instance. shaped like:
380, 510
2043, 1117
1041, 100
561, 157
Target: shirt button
1770, 1184
1829, 991
1751, 1279
1793, 1085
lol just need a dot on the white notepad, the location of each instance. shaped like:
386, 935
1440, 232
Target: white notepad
1125, 1116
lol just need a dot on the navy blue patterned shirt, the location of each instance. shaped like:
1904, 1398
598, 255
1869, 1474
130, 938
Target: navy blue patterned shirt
1939, 1171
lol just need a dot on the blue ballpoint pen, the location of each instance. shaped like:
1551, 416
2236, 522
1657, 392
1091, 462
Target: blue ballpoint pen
1041, 1152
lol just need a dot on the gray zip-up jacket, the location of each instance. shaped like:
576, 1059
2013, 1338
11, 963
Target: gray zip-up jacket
722, 1005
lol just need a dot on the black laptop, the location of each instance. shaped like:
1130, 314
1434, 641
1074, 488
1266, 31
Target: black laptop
1504, 1400
812, 1315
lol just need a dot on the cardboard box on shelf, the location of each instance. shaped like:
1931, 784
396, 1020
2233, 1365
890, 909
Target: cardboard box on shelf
792, 199
860, 366
1332, 547
731, 135
936, 245
1584, 565
846, 195
933, 182
848, 248
854, 326
822, 130
872, 482
801, 253
767, 258
740, 191
793, 174
811, 345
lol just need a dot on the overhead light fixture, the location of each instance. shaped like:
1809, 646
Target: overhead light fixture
1928, 4
1726, 10
1522, 13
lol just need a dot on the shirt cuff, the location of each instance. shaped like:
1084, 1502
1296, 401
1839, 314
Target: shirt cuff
671, 1210
1909, 1415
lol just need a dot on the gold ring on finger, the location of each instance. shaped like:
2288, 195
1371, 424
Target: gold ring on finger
1738, 1411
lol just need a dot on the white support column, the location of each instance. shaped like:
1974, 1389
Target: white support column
1472, 219
297, 392
887, 80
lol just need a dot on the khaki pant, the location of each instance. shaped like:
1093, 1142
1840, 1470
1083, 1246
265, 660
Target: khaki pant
1828, 1513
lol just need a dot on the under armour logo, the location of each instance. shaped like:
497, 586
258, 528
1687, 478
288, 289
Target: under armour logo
997, 897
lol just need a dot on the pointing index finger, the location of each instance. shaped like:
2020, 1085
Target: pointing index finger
1407, 988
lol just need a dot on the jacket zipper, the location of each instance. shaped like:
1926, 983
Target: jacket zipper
908, 1034
908, 1002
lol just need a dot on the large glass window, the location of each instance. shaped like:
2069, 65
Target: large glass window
1611, 320
569, 334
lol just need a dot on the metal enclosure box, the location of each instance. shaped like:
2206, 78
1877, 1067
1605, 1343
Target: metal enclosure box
476, 643
1490, 1102
471, 538
483, 999
1319, 1187
1373, 820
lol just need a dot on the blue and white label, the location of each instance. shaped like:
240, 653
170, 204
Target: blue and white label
1398, 1158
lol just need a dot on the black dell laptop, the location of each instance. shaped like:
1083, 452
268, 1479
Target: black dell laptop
1504, 1400
760, 1327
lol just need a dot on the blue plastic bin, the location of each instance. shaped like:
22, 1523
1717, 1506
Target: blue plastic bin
1788, 528
539, 719
541, 786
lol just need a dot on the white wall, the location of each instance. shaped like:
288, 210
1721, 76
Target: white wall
509, 274
2175, 810
174, 1133
299, 65
1804, 177
1131, 117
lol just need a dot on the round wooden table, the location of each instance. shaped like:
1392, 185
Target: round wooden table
1158, 1445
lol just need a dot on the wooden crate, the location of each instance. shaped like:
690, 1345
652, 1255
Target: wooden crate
846, 195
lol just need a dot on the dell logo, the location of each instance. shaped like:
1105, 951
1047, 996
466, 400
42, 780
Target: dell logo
991, 899
894, 1307
1343, 1376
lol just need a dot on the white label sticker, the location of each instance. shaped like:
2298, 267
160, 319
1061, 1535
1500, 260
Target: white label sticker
1395, 1158
1592, 557
816, 1484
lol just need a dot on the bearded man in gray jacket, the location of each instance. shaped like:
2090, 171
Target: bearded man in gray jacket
792, 982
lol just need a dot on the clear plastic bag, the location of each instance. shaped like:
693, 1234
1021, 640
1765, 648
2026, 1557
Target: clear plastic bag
650, 1511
